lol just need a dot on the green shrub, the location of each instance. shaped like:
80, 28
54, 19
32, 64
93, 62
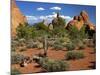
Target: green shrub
74, 55
41, 26
39, 45
51, 43
31, 44
70, 46
16, 58
15, 72
25, 31
42, 61
81, 45
58, 45
53, 65
77, 34
14, 45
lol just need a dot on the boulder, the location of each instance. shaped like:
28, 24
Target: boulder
81, 20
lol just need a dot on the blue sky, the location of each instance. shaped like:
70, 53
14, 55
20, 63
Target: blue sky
37, 11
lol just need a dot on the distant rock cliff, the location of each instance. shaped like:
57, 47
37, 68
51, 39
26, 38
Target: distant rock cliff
80, 20
16, 18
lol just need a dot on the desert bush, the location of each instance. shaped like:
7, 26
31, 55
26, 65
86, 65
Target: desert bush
15, 72
81, 45
25, 31
53, 65
42, 61
41, 26
31, 44
14, 45
74, 55
77, 35
16, 58
70, 46
36, 43
21, 42
51, 43
39, 45
58, 45
89, 43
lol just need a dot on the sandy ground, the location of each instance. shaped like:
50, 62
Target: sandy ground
81, 64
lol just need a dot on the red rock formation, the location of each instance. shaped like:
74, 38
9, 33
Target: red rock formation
84, 16
16, 17
81, 20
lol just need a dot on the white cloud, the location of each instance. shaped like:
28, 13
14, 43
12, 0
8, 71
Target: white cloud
40, 9
53, 12
42, 17
67, 18
55, 8
48, 18
31, 18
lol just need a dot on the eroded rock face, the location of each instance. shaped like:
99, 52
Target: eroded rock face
84, 16
16, 18
80, 20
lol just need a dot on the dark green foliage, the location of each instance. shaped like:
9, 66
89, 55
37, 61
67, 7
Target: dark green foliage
40, 29
70, 46
16, 58
25, 31
53, 65
15, 72
76, 34
94, 40
61, 22
82, 33
21, 31
74, 55
31, 32
90, 32
41, 33
59, 32
41, 26
58, 45
58, 22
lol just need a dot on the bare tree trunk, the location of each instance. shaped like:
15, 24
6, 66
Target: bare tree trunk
45, 45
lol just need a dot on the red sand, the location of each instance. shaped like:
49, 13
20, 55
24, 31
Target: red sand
81, 64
